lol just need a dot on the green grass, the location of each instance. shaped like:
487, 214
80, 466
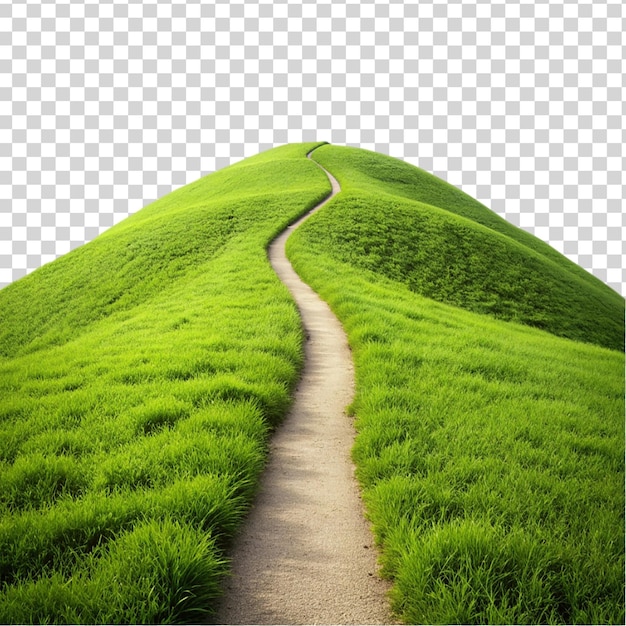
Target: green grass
491, 453
142, 375
140, 378
159, 572
403, 223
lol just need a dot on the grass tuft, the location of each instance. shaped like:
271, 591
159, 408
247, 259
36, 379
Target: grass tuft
160, 572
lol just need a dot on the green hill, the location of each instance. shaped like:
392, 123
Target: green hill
490, 452
403, 223
141, 376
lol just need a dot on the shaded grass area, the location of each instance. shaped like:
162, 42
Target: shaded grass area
399, 221
490, 453
140, 379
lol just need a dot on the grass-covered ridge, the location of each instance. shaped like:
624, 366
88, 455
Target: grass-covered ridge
140, 377
404, 223
491, 453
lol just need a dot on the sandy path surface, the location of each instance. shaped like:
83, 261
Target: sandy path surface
305, 554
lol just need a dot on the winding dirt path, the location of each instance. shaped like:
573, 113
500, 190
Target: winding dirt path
305, 555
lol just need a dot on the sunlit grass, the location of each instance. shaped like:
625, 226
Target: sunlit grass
158, 572
400, 222
140, 379
491, 453
141, 376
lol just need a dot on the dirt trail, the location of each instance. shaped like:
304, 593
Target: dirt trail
305, 554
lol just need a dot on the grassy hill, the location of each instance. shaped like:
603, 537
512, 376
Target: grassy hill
141, 376
490, 452
403, 223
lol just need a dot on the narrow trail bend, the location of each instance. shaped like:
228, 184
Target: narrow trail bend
305, 554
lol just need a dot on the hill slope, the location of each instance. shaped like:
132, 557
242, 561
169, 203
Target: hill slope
403, 223
490, 452
140, 377
164, 244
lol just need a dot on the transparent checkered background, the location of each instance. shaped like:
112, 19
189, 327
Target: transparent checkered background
106, 106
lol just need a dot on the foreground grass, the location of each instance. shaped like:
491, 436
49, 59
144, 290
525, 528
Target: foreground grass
140, 378
490, 453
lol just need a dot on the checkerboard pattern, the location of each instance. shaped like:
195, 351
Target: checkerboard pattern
108, 105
